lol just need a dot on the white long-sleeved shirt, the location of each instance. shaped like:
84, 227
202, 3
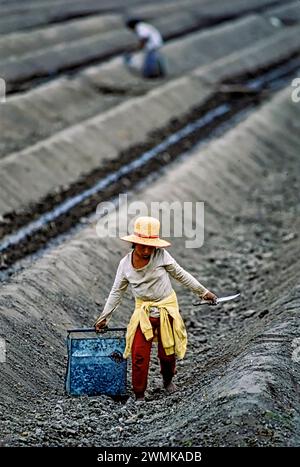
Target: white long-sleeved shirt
150, 283
149, 33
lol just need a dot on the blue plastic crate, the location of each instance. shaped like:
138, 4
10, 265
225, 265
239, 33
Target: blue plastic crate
96, 365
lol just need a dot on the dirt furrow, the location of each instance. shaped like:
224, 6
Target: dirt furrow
238, 383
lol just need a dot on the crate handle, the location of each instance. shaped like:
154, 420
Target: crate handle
69, 331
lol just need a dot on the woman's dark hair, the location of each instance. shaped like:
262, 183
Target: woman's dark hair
132, 22
133, 246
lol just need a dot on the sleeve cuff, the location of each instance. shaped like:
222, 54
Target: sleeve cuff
204, 293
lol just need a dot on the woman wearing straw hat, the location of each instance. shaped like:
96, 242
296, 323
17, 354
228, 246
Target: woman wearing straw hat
148, 268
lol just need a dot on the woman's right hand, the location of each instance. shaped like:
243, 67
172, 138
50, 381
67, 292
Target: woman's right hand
100, 325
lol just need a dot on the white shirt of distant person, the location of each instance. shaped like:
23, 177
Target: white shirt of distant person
296, 91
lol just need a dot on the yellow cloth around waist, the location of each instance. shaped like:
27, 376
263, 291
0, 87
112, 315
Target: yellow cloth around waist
173, 340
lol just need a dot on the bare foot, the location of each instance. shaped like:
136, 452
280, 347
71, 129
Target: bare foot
140, 399
170, 387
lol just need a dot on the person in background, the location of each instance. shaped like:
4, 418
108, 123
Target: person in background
150, 41
148, 269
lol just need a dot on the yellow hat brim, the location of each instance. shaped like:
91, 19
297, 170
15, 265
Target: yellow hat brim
157, 242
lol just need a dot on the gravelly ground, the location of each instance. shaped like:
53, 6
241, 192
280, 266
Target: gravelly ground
219, 401
239, 383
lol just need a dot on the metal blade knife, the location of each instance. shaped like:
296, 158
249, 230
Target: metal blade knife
219, 300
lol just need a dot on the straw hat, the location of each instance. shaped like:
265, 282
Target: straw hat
146, 232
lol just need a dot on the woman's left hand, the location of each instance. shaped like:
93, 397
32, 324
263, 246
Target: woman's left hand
210, 297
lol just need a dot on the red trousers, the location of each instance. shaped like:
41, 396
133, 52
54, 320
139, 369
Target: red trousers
141, 350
